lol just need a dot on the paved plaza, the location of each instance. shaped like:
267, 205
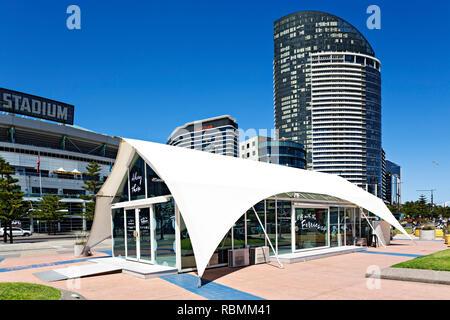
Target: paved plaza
337, 277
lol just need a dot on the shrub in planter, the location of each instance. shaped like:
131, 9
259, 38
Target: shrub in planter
79, 244
427, 232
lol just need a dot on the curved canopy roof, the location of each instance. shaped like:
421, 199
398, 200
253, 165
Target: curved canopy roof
213, 191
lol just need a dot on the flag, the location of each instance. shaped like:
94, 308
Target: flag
38, 163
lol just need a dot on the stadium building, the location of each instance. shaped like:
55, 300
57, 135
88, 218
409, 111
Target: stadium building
60, 150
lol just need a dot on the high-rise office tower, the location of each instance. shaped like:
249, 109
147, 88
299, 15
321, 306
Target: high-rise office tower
327, 95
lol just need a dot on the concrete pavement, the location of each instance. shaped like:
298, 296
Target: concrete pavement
337, 277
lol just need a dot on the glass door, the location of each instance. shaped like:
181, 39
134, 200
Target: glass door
131, 234
138, 235
144, 236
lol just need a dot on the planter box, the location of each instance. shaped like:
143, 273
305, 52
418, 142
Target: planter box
77, 249
427, 234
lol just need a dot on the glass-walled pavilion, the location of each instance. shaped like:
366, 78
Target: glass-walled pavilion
148, 227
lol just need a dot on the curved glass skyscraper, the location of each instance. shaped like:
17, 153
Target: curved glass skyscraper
327, 95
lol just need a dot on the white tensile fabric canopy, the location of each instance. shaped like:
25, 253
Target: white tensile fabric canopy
213, 191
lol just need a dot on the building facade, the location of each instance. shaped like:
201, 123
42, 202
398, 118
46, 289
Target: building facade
216, 135
393, 183
62, 153
249, 149
282, 152
327, 95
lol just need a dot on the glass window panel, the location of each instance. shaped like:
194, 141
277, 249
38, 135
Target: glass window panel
311, 227
137, 178
349, 226
122, 192
118, 233
155, 185
334, 227
239, 233
271, 223
284, 219
164, 245
187, 253
255, 234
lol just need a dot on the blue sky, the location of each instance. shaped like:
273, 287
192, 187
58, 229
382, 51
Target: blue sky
139, 69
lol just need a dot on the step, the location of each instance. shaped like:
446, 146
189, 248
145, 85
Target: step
315, 254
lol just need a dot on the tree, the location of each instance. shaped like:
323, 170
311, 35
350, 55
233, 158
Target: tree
12, 205
394, 208
442, 211
423, 207
92, 185
409, 208
51, 210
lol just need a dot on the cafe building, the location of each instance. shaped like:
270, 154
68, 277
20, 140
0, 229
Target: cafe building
187, 209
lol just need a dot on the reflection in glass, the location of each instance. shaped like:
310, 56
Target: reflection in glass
334, 227
239, 233
342, 226
122, 191
255, 234
144, 234
311, 228
131, 229
155, 185
349, 226
118, 233
222, 250
165, 234
271, 223
284, 218
187, 253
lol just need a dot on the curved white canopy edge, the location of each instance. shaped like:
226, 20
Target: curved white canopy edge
213, 191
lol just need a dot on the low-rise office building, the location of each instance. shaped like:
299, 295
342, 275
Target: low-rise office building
265, 149
215, 135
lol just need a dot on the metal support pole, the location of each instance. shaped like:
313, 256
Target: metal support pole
267, 237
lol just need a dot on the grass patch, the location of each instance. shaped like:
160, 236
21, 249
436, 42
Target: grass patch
439, 261
407, 231
27, 291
